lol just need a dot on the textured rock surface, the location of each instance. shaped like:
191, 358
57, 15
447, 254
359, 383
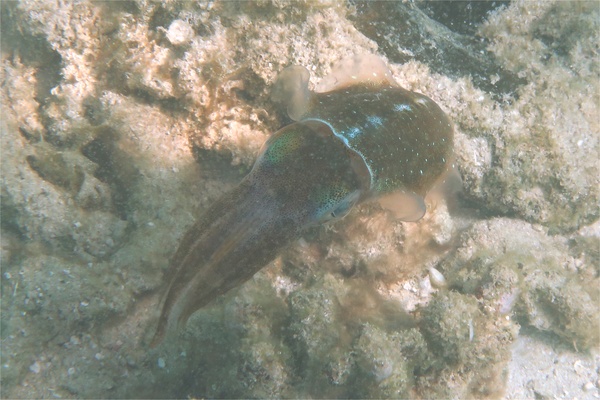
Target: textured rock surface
122, 121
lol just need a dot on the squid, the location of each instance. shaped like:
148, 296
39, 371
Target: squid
357, 137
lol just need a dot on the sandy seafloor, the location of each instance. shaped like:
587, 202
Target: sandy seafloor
122, 121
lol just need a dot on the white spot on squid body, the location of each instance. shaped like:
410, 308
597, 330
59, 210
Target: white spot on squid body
352, 132
402, 107
375, 120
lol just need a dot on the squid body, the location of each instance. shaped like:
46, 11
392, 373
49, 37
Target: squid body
358, 137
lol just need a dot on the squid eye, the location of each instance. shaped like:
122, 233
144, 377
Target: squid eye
338, 209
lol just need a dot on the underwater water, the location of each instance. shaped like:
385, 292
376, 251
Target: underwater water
122, 122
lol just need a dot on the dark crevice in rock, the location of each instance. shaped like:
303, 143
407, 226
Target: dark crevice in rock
404, 32
114, 168
462, 17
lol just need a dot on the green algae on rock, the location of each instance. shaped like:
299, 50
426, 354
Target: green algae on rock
531, 275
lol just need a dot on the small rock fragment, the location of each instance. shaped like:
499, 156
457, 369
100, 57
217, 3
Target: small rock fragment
436, 278
35, 367
179, 32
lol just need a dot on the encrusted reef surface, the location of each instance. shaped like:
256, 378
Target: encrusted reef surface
122, 121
